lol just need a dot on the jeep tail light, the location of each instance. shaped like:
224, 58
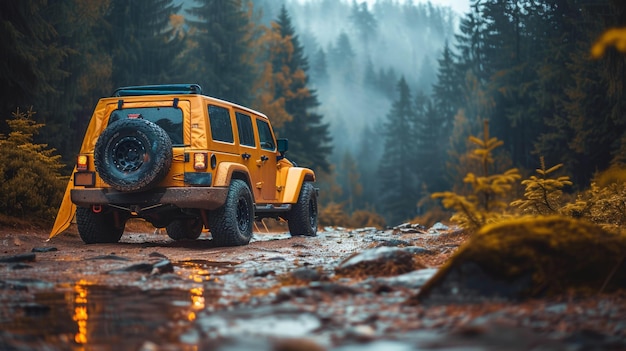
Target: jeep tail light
82, 163
199, 161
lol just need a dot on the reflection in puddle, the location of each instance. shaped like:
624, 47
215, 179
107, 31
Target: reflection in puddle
204, 271
87, 317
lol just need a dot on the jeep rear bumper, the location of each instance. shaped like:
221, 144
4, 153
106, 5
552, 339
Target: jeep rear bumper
208, 198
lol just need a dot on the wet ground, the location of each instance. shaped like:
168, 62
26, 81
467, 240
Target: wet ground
336, 291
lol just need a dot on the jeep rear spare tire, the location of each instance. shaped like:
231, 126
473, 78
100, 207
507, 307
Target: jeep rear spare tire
133, 154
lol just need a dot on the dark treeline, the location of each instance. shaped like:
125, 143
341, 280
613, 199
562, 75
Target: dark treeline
61, 56
379, 101
526, 67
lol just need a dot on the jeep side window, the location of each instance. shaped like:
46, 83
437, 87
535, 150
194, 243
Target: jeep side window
244, 126
265, 135
168, 118
221, 127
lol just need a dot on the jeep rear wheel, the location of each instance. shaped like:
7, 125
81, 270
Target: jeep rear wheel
231, 224
302, 218
96, 228
181, 229
133, 154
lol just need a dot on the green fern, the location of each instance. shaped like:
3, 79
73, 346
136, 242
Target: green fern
543, 193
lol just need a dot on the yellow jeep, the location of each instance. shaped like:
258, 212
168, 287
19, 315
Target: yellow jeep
183, 161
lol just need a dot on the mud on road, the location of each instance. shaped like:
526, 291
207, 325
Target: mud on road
335, 291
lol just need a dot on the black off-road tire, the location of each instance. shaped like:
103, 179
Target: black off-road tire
133, 154
184, 229
98, 228
302, 218
231, 224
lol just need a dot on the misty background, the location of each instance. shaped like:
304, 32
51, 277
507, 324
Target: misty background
380, 98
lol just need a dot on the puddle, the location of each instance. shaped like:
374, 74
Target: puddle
201, 271
87, 317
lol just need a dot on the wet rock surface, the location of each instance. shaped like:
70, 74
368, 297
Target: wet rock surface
342, 290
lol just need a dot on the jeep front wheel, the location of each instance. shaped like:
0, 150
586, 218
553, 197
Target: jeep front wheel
302, 218
231, 224
133, 154
99, 228
181, 229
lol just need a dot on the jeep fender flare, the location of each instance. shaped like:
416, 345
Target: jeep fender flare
295, 177
224, 174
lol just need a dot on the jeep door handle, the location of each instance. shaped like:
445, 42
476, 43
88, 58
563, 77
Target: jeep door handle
264, 158
246, 156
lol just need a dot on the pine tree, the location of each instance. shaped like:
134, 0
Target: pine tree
543, 193
319, 68
350, 182
342, 56
30, 54
399, 189
80, 26
447, 93
369, 156
363, 21
142, 42
219, 59
430, 150
285, 90
30, 184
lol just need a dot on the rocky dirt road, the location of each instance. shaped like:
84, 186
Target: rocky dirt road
341, 290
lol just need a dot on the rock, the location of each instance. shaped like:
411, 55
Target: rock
394, 242
334, 288
44, 249
438, 227
530, 257
109, 257
306, 274
20, 265
163, 266
411, 280
27, 257
157, 254
139, 267
380, 261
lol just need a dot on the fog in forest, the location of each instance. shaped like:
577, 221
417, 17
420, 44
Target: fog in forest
380, 98
358, 52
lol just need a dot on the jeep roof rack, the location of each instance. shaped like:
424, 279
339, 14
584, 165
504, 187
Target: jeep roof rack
164, 89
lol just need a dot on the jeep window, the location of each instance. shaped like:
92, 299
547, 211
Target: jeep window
168, 118
244, 126
221, 127
265, 135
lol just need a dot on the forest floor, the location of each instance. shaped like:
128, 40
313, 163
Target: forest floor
341, 290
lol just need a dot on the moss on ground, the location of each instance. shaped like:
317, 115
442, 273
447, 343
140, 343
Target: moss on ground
540, 255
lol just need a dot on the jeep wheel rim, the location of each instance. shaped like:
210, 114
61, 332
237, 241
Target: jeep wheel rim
243, 215
128, 154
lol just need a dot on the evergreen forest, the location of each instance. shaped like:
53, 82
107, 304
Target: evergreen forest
382, 101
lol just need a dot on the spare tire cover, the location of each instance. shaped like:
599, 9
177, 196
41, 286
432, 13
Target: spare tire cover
133, 154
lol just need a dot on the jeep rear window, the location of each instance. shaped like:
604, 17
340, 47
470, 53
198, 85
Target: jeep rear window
221, 127
168, 118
